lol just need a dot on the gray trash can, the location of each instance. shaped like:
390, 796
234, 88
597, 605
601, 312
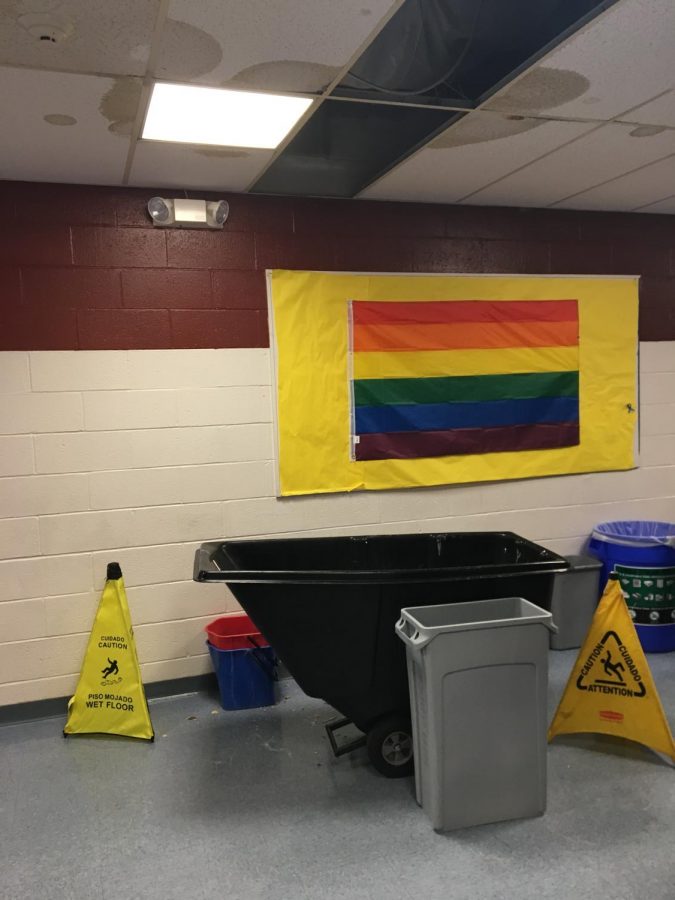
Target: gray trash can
574, 601
478, 675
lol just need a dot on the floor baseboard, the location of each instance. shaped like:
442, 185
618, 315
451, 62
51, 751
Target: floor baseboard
58, 706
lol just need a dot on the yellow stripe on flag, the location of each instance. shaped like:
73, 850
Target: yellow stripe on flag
437, 363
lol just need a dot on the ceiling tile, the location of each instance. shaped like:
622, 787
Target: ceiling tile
470, 154
99, 36
663, 206
287, 45
620, 60
85, 150
205, 168
636, 189
606, 152
660, 111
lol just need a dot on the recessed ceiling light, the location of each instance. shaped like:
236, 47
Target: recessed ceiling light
199, 115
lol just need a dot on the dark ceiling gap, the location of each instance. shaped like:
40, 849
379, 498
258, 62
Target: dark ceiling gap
344, 145
328, 90
434, 61
458, 52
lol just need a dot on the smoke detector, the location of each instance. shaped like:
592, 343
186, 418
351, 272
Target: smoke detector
46, 28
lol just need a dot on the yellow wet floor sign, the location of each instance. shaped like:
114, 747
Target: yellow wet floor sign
109, 698
610, 689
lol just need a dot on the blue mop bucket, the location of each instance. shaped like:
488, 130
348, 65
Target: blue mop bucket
640, 545
245, 677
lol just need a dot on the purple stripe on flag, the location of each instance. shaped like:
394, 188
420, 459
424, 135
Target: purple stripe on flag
460, 441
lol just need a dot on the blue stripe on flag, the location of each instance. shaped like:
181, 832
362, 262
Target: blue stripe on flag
442, 416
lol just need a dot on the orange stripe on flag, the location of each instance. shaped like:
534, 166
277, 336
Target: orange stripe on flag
465, 336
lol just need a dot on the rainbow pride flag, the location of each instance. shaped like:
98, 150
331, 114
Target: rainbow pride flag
442, 378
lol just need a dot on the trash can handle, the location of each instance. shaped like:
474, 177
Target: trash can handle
268, 668
410, 634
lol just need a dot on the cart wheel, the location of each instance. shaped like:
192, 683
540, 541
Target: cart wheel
390, 746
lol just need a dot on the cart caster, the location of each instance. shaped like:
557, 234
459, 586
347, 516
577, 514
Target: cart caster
390, 746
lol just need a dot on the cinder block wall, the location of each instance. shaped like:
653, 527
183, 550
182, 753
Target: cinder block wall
135, 402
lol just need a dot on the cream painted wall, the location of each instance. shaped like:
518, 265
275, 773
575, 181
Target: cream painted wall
138, 456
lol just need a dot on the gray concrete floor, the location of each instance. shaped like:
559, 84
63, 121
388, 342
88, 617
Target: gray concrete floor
252, 805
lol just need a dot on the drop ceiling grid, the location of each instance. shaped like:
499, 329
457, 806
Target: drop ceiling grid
658, 111
635, 36
448, 174
619, 61
667, 205
604, 153
282, 31
631, 29
378, 25
642, 187
119, 39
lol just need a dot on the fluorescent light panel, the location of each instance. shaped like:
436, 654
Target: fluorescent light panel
186, 114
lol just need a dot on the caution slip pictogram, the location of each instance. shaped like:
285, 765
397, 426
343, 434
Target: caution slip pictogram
610, 689
109, 698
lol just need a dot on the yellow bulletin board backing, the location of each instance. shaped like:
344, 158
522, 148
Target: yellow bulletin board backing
310, 324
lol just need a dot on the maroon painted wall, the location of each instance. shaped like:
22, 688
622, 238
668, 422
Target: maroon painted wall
83, 268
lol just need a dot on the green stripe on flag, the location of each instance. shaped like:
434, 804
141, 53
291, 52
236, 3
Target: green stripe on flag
471, 388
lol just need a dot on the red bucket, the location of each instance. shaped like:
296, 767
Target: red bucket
235, 631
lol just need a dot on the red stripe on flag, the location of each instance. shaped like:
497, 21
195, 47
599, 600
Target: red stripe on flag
386, 312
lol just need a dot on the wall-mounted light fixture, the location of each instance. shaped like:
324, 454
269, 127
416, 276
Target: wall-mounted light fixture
179, 213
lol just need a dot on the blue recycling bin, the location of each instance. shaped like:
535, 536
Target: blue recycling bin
245, 677
641, 552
